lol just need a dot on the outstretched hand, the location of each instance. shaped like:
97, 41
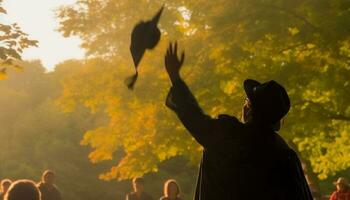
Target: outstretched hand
173, 63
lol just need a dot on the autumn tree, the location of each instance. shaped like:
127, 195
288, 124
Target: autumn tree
12, 43
305, 45
36, 135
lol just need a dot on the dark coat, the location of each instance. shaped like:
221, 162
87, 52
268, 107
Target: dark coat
240, 161
133, 196
49, 192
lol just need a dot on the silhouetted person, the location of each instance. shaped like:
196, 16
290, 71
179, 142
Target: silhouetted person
343, 190
5, 184
139, 193
48, 189
171, 190
241, 161
23, 190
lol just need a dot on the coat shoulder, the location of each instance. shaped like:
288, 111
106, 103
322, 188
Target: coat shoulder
228, 120
131, 194
281, 143
228, 123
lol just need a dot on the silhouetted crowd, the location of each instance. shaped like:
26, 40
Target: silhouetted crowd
25, 189
171, 190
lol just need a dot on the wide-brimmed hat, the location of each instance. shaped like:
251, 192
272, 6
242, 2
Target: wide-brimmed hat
341, 181
269, 99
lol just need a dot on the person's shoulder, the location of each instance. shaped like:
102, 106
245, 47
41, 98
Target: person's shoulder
228, 123
334, 194
131, 194
57, 189
148, 196
228, 120
40, 184
166, 198
281, 143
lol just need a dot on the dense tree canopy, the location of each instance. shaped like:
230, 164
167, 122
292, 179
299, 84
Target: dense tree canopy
36, 135
305, 45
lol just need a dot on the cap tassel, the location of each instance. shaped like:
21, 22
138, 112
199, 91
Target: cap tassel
130, 81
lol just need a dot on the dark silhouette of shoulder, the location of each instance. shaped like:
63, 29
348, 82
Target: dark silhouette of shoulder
49, 192
281, 142
144, 196
228, 119
166, 198
228, 125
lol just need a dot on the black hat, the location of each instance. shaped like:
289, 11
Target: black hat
270, 100
145, 35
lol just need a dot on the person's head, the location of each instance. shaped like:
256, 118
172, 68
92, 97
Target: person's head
266, 103
5, 184
138, 184
48, 177
23, 189
342, 183
171, 189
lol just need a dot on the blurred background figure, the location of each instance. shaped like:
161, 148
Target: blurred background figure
139, 193
23, 190
343, 190
48, 189
5, 184
171, 190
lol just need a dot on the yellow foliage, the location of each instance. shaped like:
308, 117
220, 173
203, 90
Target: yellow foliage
293, 30
3, 75
226, 42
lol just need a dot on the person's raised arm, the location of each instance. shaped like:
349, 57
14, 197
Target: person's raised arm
183, 103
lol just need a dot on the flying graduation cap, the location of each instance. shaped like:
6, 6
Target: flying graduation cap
145, 35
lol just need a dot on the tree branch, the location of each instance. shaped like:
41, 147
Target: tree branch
325, 112
302, 18
292, 47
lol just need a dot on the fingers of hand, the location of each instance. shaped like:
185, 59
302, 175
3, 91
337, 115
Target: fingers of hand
171, 54
182, 57
166, 58
171, 48
175, 48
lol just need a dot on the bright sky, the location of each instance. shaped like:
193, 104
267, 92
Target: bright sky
37, 18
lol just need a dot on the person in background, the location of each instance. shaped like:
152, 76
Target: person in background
23, 190
171, 190
5, 184
138, 193
48, 189
343, 190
